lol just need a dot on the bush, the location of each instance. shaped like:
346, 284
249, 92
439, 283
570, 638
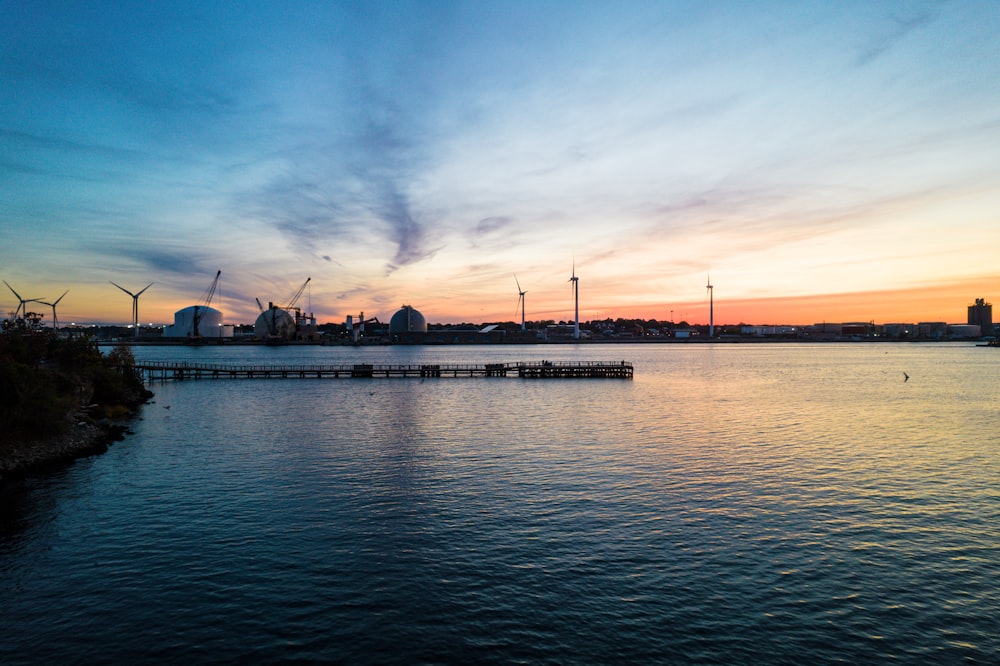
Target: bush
43, 379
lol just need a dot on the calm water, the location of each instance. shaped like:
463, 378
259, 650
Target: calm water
732, 504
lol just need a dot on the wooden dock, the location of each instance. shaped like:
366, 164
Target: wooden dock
166, 370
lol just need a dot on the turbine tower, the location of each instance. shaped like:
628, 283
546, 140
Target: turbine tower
576, 303
22, 303
520, 301
53, 304
135, 305
711, 308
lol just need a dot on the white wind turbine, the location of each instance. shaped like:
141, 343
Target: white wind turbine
576, 301
520, 301
135, 305
711, 307
53, 304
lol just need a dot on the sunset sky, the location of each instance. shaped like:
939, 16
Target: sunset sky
822, 161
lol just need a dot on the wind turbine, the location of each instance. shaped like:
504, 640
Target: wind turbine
53, 304
135, 305
22, 305
520, 301
576, 300
711, 307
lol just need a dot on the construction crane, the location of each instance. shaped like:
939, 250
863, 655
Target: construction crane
271, 311
208, 301
295, 299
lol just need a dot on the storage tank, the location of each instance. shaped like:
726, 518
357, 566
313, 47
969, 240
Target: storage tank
965, 331
274, 322
407, 320
207, 321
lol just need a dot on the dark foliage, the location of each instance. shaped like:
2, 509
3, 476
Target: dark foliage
44, 380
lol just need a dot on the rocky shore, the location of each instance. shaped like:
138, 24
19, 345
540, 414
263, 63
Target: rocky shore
61, 399
78, 441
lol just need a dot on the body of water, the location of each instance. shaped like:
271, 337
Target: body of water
772, 503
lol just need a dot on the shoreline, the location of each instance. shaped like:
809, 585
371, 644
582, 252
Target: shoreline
80, 440
593, 341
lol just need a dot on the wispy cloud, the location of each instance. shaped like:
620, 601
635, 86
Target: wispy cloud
896, 30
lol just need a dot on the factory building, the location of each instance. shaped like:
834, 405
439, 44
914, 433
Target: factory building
981, 315
198, 321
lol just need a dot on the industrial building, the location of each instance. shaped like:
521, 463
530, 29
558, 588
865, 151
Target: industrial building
981, 315
276, 325
198, 321
407, 325
194, 322
407, 320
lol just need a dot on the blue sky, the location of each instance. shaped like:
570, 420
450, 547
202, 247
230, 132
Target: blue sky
425, 152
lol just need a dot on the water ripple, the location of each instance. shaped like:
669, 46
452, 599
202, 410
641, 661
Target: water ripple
732, 504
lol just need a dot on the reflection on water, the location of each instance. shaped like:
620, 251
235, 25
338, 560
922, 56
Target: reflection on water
733, 503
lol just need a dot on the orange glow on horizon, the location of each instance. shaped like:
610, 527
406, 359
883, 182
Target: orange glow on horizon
945, 303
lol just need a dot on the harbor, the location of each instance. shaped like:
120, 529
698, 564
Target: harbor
172, 370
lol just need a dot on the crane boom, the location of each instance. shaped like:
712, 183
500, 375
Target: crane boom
211, 290
295, 298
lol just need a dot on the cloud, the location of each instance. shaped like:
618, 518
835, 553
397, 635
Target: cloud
403, 229
895, 33
490, 225
178, 262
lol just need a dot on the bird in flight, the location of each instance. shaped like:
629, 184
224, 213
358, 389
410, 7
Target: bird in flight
906, 378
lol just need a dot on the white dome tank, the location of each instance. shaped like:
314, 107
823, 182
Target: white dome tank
209, 323
407, 320
274, 322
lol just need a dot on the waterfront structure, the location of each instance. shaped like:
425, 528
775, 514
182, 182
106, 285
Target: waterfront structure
407, 320
964, 331
981, 315
278, 324
932, 330
167, 370
274, 323
198, 321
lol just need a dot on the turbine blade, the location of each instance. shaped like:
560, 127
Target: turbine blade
12, 290
144, 289
56, 302
122, 288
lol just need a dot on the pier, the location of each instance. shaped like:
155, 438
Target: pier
166, 370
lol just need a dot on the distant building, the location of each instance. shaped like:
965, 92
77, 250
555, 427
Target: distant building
769, 331
198, 321
964, 331
981, 315
932, 330
899, 330
407, 320
408, 326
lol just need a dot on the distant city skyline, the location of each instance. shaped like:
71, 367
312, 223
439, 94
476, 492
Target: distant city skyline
823, 162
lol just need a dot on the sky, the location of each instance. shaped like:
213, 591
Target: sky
816, 161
